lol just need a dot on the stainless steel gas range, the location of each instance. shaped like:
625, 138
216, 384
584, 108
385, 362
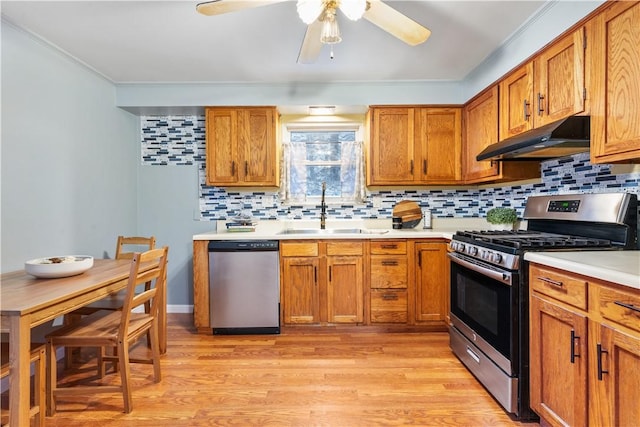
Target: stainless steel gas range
489, 283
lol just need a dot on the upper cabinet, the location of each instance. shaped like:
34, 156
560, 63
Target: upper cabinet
480, 131
547, 89
414, 146
241, 146
615, 108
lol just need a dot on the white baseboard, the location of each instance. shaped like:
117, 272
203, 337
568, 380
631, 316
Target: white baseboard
179, 308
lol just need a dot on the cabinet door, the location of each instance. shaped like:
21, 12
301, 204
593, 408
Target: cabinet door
221, 146
481, 130
256, 128
558, 370
516, 93
439, 131
432, 282
300, 290
391, 153
345, 289
615, 128
559, 80
615, 378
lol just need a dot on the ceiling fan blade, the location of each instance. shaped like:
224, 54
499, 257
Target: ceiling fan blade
311, 45
395, 23
218, 7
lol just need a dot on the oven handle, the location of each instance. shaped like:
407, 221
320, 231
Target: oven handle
501, 276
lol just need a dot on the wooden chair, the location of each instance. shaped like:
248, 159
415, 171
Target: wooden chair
115, 329
114, 301
38, 359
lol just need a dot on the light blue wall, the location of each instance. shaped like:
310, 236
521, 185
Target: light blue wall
68, 156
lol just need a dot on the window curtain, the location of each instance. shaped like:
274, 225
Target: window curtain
293, 173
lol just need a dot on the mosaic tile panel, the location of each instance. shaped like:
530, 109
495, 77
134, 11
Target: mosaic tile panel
179, 140
172, 140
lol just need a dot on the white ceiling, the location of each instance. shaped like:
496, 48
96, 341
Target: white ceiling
168, 41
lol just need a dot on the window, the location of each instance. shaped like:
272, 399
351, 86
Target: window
323, 154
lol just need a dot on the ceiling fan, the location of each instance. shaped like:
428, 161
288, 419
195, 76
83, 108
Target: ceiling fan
322, 26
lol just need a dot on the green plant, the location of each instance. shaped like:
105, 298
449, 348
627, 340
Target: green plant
502, 216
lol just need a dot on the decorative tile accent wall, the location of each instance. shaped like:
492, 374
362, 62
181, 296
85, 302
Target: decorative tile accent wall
172, 140
180, 140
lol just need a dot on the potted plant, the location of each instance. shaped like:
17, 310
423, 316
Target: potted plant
502, 218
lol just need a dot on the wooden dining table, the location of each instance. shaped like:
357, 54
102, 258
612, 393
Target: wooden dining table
27, 302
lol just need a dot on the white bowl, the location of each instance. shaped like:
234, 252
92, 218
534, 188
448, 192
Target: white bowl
59, 266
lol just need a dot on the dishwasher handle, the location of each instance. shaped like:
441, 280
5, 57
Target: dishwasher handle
244, 245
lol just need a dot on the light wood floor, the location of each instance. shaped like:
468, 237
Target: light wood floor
303, 377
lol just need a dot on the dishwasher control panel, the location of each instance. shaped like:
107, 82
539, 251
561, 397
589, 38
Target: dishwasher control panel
244, 245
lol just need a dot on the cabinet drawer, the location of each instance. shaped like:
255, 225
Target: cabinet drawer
560, 286
344, 248
388, 247
388, 306
299, 248
620, 307
388, 272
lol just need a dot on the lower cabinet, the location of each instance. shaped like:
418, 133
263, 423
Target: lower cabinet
432, 283
322, 281
585, 350
388, 280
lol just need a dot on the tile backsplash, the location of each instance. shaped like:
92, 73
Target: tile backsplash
180, 140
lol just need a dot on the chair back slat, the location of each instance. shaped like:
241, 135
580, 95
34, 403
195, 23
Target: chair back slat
127, 246
149, 269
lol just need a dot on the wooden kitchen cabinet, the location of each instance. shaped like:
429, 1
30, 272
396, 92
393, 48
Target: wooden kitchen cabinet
388, 280
322, 281
547, 89
431, 283
413, 145
558, 366
241, 146
615, 128
584, 349
481, 130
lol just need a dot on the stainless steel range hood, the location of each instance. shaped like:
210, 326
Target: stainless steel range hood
562, 138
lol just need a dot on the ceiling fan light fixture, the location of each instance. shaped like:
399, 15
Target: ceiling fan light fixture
330, 30
353, 9
309, 10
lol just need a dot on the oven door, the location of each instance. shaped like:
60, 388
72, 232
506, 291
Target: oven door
484, 308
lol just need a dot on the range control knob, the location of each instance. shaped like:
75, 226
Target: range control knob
460, 247
473, 251
497, 258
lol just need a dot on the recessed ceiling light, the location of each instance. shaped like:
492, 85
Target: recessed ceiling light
322, 110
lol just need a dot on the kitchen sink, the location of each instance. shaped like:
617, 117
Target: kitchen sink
330, 231
319, 231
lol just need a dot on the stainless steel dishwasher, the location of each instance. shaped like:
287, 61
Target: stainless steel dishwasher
244, 287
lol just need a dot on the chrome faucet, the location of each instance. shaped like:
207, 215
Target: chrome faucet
323, 208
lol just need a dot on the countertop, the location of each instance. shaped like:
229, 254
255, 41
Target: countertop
443, 228
621, 267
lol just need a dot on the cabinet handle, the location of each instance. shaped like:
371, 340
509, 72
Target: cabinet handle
411, 165
246, 168
315, 275
551, 281
574, 337
629, 306
392, 246
329, 273
390, 262
525, 108
540, 99
390, 297
233, 167
600, 353
424, 167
